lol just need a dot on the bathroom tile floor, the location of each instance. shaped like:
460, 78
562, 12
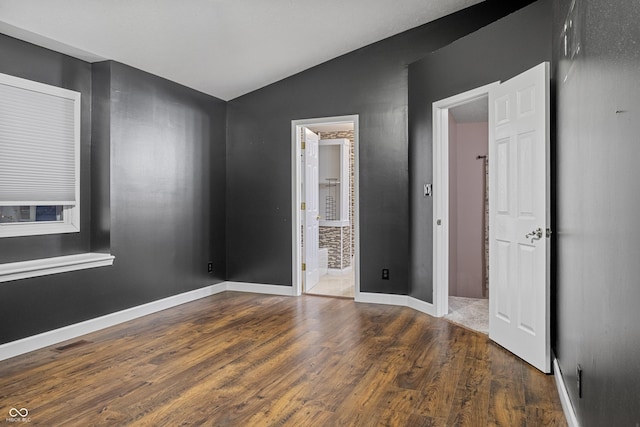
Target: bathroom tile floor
472, 313
342, 285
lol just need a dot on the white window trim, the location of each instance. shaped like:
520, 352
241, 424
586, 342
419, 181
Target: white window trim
69, 224
45, 266
71, 215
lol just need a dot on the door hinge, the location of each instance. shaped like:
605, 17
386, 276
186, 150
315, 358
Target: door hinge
302, 145
303, 206
304, 267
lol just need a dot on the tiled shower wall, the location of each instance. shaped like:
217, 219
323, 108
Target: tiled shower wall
338, 241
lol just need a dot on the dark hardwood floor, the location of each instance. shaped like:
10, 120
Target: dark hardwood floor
237, 359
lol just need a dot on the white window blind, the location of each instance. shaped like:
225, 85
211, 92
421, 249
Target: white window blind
39, 143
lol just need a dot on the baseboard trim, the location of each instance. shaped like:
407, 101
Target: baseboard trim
45, 339
567, 406
422, 306
388, 299
393, 299
260, 288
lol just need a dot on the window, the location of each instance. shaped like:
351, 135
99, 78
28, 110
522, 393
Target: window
39, 158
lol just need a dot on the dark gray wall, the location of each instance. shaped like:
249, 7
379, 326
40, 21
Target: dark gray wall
167, 182
101, 157
495, 53
598, 183
370, 82
163, 215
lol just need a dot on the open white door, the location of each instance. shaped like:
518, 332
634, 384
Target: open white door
311, 211
519, 216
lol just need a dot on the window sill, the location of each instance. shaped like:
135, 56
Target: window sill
42, 267
35, 229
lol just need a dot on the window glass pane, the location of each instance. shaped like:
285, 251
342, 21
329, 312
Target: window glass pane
14, 214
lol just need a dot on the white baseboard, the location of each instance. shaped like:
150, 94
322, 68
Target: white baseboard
45, 339
567, 406
389, 299
422, 306
401, 300
260, 288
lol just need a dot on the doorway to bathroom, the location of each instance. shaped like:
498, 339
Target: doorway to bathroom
461, 208
325, 201
469, 215
519, 211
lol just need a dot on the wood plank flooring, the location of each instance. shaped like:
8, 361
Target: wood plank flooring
237, 359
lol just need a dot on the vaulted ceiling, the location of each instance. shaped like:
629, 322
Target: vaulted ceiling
224, 48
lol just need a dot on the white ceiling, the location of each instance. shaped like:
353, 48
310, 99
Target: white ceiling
225, 48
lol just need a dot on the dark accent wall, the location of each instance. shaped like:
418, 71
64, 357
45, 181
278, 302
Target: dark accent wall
494, 53
101, 157
167, 185
598, 184
370, 82
155, 182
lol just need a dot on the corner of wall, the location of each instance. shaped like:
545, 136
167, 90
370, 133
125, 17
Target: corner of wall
101, 157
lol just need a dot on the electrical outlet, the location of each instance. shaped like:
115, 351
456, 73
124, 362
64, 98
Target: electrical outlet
210, 267
385, 274
579, 380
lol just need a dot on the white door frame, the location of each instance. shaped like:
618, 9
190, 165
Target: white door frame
441, 192
296, 197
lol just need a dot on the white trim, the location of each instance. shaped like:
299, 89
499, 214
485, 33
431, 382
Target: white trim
49, 43
441, 193
17, 229
45, 339
45, 266
55, 336
260, 288
71, 214
399, 300
388, 299
296, 223
34, 86
422, 306
567, 406
296, 197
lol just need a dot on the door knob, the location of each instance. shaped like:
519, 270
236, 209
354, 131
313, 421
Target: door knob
534, 235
